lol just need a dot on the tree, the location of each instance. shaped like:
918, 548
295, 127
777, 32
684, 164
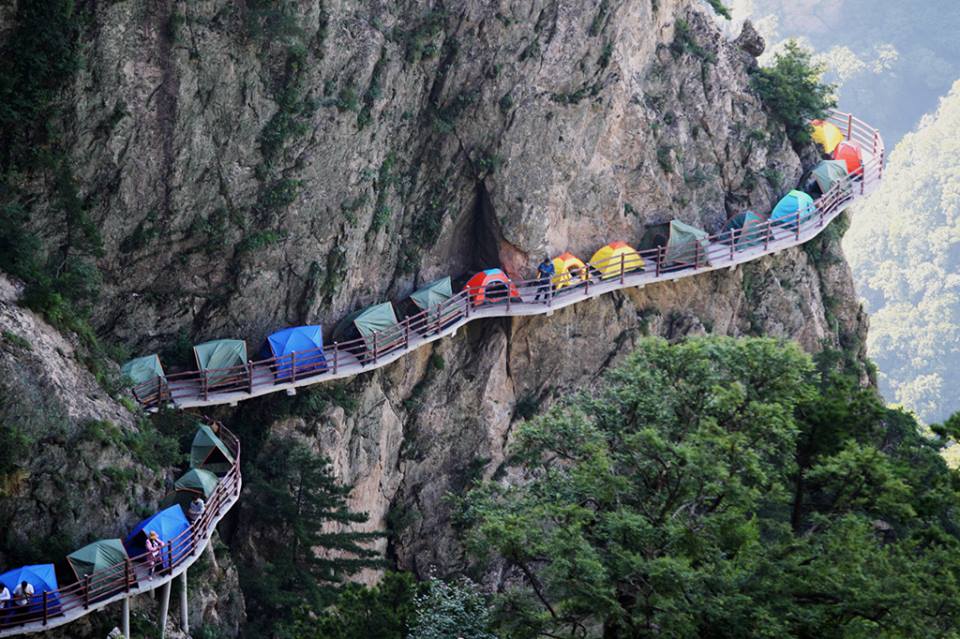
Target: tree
297, 500
793, 91
723, 488
455, 609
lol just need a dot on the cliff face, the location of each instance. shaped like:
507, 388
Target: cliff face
250, 168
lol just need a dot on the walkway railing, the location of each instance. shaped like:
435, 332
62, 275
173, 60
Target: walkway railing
95, 591
527, 297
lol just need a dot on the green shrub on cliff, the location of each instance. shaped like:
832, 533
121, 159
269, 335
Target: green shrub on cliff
793, 91
723, 488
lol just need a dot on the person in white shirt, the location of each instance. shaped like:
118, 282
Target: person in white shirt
196, 509
23, 593
4, 597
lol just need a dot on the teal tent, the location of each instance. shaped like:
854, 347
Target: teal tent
100, 555
436, 292
196, 482
142, 369
744, 229
828, 173
682, 245
793, 204
220, 354
209, 452
377, 319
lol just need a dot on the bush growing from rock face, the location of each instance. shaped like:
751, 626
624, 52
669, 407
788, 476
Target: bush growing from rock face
793, 91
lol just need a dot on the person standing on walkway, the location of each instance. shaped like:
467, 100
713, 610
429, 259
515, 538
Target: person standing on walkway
197, 506
154, 546
23, 593
545, 273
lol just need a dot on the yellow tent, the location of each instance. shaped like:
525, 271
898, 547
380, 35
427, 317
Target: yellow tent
608, 259
568, 268
827, 135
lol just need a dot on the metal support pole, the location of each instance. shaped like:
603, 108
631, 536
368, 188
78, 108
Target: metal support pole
164, 608
184, 620
125, 618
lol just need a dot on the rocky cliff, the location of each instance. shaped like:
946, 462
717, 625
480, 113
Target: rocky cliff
256, 164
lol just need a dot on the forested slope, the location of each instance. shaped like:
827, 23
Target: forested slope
908, 268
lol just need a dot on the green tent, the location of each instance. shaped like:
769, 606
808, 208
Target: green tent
378, 318
746, 229
142, 369
220, 353
196, 482
828, 173
209, 452
436, 292
99, 555
654, 236
682, 244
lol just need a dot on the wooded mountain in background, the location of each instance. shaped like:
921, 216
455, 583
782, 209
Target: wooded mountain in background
909, 267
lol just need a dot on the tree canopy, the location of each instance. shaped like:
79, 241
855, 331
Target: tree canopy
723, 488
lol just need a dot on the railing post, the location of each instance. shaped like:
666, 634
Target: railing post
850, 127
86, 591
659, 260
45, 612
508, 298
126, 575
586, 282
375, 347
623, 258
169, 555
766, 237
336, 357
250, 376
293, 366
406, 334
797, 234
696, 254
733, 242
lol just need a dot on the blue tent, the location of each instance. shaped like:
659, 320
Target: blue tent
43, 578
168, 524
307, 340
785, 212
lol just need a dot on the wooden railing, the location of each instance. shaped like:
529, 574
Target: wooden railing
103, 587
232, 384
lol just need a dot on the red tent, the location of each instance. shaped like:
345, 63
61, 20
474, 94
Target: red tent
850, 153
491, 285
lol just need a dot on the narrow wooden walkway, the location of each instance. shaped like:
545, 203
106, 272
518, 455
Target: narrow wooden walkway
235, 384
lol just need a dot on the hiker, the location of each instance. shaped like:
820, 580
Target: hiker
545, 273
22, 594
196, 510
4, 600
154, 546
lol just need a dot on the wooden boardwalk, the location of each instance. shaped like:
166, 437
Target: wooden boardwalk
196, 389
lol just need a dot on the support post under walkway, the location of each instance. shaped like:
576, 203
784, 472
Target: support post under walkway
164, 608
184, 621
125, 618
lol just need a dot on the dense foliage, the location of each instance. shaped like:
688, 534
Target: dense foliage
906, 260
792, 89
294, 496
722, 488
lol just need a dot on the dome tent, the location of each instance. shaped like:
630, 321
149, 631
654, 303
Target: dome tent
196, 482
608, 258
491, 286
569, 270
852, 155
687, 245
792, 206
745, 229
826, 134
219, 354
96, 556
432, 293
209, 452
142, 369
43, 578
378, 320
300, 346
828, 173
169, 523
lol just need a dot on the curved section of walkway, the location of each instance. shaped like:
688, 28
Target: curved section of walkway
102, 588
721, 251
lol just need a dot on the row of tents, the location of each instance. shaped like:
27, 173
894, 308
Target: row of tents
299, 350
103, 561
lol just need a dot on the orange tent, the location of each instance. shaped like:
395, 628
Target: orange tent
491, 285
568, 268
607, 259
850, 153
